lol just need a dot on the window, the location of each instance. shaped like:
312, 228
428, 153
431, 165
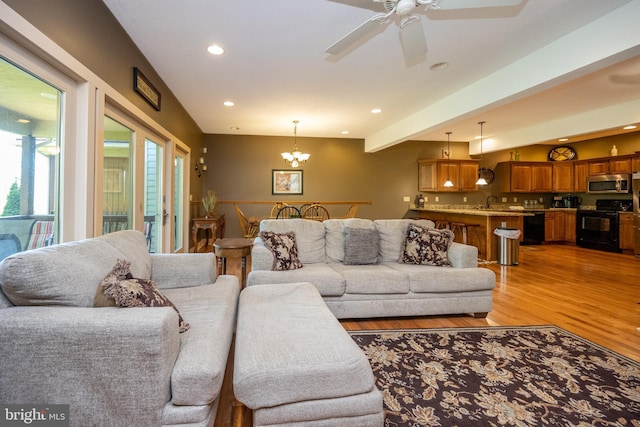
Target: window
30, 129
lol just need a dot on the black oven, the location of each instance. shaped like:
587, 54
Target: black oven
599, 228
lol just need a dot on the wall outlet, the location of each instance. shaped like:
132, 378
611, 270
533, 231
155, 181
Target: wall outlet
541, 199
191, 197
437, 199
515, 200
426, 198
406, 199
464, 199
504, 200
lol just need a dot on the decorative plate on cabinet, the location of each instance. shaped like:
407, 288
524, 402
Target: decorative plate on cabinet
487, 174
561, 153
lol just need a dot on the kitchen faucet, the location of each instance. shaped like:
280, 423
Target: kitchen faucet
488, 202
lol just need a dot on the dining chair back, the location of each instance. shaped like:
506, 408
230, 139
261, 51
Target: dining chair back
315, 212
249, 226
276, 208
288, 212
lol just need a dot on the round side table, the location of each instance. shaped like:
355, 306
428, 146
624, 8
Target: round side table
234, 247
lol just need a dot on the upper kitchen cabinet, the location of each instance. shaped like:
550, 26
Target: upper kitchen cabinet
432, 175
580, 174
563, 173
611, 165
524, 177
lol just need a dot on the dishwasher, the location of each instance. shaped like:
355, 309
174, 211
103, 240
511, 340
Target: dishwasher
533, 233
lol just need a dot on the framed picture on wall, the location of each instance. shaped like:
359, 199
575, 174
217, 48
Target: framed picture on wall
286, 181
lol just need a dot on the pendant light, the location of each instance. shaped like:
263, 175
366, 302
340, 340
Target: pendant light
481, 180
448, 182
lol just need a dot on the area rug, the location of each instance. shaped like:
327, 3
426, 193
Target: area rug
500, 376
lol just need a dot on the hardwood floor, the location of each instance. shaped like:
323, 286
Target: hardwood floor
591, 293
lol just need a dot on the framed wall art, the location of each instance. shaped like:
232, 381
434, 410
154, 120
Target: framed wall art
286, 181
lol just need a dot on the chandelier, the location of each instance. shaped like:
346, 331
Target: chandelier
296, 158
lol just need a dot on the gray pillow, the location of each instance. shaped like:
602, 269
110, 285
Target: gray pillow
361, 246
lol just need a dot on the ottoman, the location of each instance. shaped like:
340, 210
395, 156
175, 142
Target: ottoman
295, 364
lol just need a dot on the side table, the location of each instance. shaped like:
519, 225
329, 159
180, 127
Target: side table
215, 224
233, 248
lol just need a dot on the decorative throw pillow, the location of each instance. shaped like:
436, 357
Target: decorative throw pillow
284, 249
126, 291
361, 246
427, 246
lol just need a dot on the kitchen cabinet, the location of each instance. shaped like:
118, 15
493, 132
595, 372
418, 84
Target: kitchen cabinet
563, 177
570, 226
554, 226
626, 230
433, 173
525, 177
580, 174
611, 165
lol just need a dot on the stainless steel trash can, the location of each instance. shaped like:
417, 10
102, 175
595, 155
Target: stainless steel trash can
508, 245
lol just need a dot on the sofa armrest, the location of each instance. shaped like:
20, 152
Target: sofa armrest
183, 270
463, 256
105, 363
261, 256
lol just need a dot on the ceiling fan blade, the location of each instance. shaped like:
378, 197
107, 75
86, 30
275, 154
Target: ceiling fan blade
412, 37
474, 4
356, 34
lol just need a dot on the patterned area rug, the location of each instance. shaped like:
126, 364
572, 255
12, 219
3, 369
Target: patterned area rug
501, 376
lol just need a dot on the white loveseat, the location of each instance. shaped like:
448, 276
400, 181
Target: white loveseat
115, 366
385, 288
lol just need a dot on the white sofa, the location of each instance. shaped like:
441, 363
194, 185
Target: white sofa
387, 288
115, 366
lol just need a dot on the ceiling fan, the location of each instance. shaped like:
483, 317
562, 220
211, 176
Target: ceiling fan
412, 35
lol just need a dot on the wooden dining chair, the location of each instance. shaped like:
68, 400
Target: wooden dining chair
351, 212
249, 226
276, 208
288, 212
315, 212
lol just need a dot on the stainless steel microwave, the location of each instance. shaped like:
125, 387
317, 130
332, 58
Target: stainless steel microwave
603, 184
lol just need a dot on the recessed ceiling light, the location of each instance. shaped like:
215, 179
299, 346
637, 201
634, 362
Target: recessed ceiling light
234, 128
376, 111
563, 139
24, 121
214, 49
439, 66
229, 103
345, 132
629, 127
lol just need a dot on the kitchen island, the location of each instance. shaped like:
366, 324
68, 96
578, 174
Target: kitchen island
485, 221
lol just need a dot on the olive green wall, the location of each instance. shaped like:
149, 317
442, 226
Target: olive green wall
89, 32
240, 168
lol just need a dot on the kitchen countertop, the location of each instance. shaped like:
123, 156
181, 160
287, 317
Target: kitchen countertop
497, 211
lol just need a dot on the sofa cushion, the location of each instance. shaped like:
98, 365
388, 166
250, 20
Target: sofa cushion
393, 233
430, 279
309, 236
372, 279
284, 249
328, 281
132, 244
334, 234
361, 246
127, 291
426, 246
61, 275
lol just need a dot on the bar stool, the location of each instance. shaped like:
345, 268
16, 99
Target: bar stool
442, 224
463, 228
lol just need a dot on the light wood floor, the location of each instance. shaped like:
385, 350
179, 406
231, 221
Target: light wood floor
591, 293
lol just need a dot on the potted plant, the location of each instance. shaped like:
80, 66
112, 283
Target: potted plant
209, 203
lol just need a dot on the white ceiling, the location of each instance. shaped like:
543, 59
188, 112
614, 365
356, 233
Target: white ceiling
534, 72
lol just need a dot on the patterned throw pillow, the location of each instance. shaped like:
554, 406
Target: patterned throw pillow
284, 249
361, 246
120, 289
426, 246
